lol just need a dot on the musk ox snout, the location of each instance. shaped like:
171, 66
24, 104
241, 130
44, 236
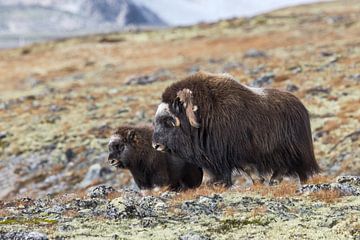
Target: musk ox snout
114, 161
156, 143
158, 147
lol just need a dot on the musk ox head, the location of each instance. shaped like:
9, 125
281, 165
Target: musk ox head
173, 122
121, 148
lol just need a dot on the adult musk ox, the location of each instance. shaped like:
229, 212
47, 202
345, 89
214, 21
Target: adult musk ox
130, 148
221, 126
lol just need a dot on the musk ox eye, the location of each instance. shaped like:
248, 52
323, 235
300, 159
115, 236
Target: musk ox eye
169, 123
118, 147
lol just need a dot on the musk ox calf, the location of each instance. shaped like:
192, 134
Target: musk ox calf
221, 126
130, 148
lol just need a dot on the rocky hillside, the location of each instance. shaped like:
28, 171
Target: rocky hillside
61, 100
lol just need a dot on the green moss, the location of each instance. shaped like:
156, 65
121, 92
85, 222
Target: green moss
227, 225
31, 221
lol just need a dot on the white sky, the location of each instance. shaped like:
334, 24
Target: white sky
185, 12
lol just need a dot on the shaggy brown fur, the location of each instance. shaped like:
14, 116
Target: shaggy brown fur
226, 126
130, 148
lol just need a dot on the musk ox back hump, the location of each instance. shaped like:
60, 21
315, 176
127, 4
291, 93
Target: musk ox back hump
240, 126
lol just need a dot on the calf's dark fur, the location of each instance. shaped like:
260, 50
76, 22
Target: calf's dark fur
130, 148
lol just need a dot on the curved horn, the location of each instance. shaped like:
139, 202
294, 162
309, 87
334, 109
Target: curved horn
177, 122
186, 99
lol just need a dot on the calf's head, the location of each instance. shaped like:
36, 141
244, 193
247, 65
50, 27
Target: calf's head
121, 148
173, 122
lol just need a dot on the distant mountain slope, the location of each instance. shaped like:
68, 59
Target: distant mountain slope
23, 21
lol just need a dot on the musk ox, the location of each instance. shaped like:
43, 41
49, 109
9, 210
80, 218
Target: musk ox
130, 148
221, 126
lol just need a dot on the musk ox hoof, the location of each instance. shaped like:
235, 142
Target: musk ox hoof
274, 182
218, 183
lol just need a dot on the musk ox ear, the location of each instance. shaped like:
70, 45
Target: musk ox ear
130, 136
176, 105
186, 98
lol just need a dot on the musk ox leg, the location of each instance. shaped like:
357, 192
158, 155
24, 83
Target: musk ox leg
276, 177
176, 187
254, 175
192, 176
221, 180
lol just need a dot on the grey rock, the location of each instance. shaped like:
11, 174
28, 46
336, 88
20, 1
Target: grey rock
140, 80
159, 75
295, 69
355, 77
329, 223
326, 53
113, 212
52, 118
57, 209
3, 135
22, 235
193, 69
120, 111
318, 90
150, 206
56, 108
132, 204
126, 206
32, 82
69, 154
168, 195
351, 180
148, 222
263, 80
319, 134
254, 53
344, 189
229, 66
100, 191
86, 203
256, 70
203, 205
4, 106
292, 88
95, 172
193, 236
66, 228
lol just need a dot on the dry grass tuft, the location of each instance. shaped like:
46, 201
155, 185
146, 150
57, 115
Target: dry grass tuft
229, 212
284, 189
4, 213
111, 196
195, 193
320, 179
258, 211
328, 196
71, 213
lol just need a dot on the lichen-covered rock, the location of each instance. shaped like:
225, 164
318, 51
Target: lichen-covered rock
254, 53
202, 205
101, 191
150, 206
134, 205
193, 236
352, 180
23, 235
86, 203
344, 189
